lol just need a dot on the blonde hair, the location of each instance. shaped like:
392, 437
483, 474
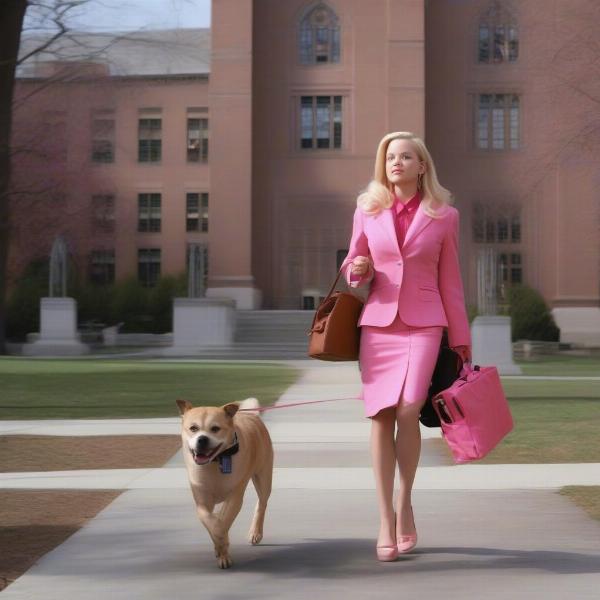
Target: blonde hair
379, 194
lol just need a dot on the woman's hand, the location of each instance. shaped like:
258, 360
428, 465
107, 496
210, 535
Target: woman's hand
360, 265
464, 352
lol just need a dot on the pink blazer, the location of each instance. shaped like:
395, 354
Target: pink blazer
421, 281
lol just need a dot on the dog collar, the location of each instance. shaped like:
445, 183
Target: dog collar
225, 463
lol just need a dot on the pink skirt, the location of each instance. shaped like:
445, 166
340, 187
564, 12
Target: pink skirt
397, 359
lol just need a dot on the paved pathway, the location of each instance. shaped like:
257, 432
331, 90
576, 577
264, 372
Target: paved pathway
475, 539
461, 477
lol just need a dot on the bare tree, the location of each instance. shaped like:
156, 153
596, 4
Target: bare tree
12, 15
32, 29
51, 18
566, 63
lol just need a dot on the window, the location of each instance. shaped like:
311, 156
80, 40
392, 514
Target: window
148, 266
515, 228
197, 140
149, 212
103, 212
197, 212
103, 137
198, 275
319, 36
511, 269
321, 122
500, 224
102, 267
308, 303
149, 140
498, 36
311, 298
498, 122
340, 255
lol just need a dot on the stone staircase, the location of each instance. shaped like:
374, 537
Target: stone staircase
273, 326
266, 335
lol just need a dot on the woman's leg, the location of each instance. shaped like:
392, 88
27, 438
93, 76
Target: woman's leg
383, 456
408, 450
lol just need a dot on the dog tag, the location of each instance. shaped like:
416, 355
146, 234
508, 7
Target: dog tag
225, 464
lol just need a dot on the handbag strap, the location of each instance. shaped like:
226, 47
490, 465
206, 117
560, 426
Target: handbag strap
468, 369
334, 283
325, 299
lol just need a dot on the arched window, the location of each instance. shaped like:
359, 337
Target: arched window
498, 35
319, 36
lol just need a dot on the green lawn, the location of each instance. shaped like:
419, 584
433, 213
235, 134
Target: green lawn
547, 388
563, 365
555, 421
60, 389
586, 496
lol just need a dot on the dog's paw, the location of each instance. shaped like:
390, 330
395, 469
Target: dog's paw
255, 537
224, 561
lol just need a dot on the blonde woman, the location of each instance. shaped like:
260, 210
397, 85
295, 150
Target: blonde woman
405, 243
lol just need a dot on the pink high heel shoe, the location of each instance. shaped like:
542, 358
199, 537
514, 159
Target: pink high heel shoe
405, 543
387, 553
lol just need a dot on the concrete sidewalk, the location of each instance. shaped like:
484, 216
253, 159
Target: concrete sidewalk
321, 525
459, 477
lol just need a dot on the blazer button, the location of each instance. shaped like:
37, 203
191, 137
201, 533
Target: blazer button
399, 262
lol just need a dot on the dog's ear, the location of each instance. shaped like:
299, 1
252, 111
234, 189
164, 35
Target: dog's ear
231, 409
184, 406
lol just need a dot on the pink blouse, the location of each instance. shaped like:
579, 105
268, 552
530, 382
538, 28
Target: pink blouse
405, 213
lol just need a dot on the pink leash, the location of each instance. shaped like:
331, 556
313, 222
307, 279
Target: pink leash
263, 408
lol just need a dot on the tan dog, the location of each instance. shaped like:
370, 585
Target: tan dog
215, 441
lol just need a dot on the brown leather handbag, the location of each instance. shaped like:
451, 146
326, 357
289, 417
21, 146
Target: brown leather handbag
334, 334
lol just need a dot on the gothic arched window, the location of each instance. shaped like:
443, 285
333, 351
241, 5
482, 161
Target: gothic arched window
498, 35
319, 36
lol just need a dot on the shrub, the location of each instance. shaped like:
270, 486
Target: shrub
129, 305
94, 303
160, 301
140, 309
23, 306
472, 312
530, 317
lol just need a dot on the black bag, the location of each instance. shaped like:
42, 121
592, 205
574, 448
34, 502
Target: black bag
446, 372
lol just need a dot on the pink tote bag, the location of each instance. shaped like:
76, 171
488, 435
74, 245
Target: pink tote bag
474, 413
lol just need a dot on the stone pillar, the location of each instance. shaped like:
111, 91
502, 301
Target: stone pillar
579, 325
490, 336
230, 113
491, 333
201, 322
405, 79
572, 249
58, 330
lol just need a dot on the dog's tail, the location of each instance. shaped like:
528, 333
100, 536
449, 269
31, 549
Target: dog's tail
249, 404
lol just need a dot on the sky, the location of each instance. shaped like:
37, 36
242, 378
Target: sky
127, 15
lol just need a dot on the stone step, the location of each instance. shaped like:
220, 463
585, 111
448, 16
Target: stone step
289, 326
280, 317
273, 351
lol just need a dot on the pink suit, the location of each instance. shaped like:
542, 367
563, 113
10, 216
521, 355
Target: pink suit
415, 291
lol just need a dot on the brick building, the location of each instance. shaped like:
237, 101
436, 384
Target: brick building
254, 138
